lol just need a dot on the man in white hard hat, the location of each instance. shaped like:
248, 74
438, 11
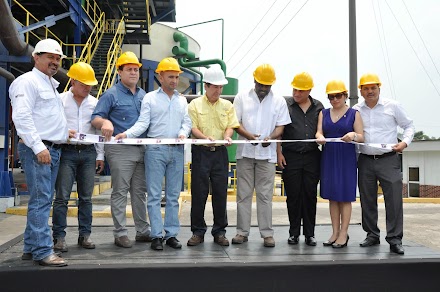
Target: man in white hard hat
38, 115
79, 160
212, 118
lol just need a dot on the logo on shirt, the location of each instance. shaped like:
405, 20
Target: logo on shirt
18, 95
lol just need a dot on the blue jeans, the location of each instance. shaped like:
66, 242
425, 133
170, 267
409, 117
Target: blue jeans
40, 179
160, 161
76, 165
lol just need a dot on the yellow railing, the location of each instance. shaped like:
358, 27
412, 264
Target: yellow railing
232, 169
91, 46
92, 10
113, 54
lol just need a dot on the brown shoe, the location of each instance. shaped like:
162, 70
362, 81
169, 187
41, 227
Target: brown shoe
239, 239
221, 240
27, 256
195, 240
269, 241
143, 238
123, 241
59, 244
52, 261
85, 242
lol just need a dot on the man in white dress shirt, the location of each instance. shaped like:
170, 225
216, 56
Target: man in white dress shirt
38, 115
79, 161
381, 118
262, 116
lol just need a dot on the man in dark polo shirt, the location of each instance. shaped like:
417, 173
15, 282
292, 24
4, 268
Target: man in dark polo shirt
300, 161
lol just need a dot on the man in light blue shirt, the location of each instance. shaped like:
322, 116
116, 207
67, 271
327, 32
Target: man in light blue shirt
164, 113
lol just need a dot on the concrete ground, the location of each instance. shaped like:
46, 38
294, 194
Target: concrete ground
421, 220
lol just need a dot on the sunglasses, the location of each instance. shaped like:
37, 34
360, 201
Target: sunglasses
337, 96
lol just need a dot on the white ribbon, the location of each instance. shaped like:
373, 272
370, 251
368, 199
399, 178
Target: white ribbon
90, 138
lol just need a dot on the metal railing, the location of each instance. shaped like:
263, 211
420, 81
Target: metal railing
114, 52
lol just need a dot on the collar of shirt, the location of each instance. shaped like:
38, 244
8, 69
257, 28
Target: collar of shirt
50, 80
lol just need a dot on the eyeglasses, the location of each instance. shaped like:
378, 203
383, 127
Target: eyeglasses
337, 96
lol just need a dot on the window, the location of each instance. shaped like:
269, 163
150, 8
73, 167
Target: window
414, 182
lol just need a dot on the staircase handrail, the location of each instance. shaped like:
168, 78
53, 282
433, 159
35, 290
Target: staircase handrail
113, 53
92, 44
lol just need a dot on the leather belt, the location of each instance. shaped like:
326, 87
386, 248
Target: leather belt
78, 147
375, 157
210, 148
51, 144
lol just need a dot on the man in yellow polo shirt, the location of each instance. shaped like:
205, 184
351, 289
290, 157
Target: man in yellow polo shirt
212, 118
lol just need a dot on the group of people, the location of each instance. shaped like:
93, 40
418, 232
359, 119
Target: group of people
45, 120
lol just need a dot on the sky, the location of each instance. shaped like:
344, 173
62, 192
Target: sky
396, 39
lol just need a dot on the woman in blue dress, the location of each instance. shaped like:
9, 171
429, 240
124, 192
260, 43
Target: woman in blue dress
338, 161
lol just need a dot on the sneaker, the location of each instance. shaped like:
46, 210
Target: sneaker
195, 240
239, 239
123, 241
221, 240
59, 244
269, 241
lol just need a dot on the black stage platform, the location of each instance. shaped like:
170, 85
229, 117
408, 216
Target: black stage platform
245, 267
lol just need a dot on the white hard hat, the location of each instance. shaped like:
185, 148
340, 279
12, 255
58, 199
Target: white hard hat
48, 46
214, 75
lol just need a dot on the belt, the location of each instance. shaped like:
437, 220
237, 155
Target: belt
77, 146
375, 157
51, 144
210, 148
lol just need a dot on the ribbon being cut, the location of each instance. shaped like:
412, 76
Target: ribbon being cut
90, 138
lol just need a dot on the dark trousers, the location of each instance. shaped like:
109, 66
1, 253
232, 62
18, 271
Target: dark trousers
387, 171
301, 177
208, 166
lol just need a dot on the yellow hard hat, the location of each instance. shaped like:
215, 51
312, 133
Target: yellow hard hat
82, 72
265, 74
168, 64
369, 78
302, 81
335, 86
128, 58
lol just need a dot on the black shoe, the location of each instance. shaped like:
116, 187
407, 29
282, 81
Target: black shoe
174, 243
311, 241
328, 243
337, 245
397, 248
293, 240
369, 241
156, 244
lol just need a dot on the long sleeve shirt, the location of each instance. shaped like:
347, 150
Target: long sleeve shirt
37, 110
381, 122
78, 117
164, 117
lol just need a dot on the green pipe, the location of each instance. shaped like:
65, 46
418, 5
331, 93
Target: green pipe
203, 63
201, 78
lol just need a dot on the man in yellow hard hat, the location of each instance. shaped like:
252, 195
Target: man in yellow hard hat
38, 115
164, 114
262, 115
117, 110
301, 161
78, 161
212, 118
381, 118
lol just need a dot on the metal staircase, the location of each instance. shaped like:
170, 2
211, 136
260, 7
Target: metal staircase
99, 60
137, 21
